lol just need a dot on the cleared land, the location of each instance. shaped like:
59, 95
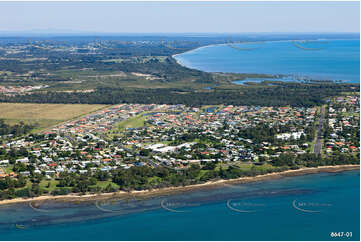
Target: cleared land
44, 115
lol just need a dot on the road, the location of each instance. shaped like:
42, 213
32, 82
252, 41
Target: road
70, 139
318, 143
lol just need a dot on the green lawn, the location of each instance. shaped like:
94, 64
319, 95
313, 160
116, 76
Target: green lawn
246, 166
53, 185
28, 185
154, 180
44, 184
134, 122
9, 169
201, 173
104, 184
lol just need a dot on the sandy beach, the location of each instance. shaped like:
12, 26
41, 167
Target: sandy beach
172, 190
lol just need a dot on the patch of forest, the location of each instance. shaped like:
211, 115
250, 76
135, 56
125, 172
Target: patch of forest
16, 129
280, 94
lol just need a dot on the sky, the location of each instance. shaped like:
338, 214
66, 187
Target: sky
179, 17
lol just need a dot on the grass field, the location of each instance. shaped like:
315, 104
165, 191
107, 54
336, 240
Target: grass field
51, 185
45, 115
134, 122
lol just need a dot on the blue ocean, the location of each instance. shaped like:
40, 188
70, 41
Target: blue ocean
336, 60
322, 206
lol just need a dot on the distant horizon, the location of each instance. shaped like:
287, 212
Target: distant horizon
86, 33
180, 17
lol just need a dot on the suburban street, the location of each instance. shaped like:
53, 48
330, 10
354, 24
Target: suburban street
318, 144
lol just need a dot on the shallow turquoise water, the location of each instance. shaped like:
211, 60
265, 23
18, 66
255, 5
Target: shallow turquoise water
323, 60
204, 215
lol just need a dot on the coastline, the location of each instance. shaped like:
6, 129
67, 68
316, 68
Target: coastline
251, 42
173, 190
188, 65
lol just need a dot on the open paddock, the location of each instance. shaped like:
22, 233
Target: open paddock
45, 115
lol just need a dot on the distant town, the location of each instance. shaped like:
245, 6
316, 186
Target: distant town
13, 90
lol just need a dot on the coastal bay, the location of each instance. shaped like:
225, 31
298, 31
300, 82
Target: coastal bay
317, 59
175, 190
271, 200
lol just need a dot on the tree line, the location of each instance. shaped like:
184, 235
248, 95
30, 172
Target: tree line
16, 129
145, 177
285, 94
